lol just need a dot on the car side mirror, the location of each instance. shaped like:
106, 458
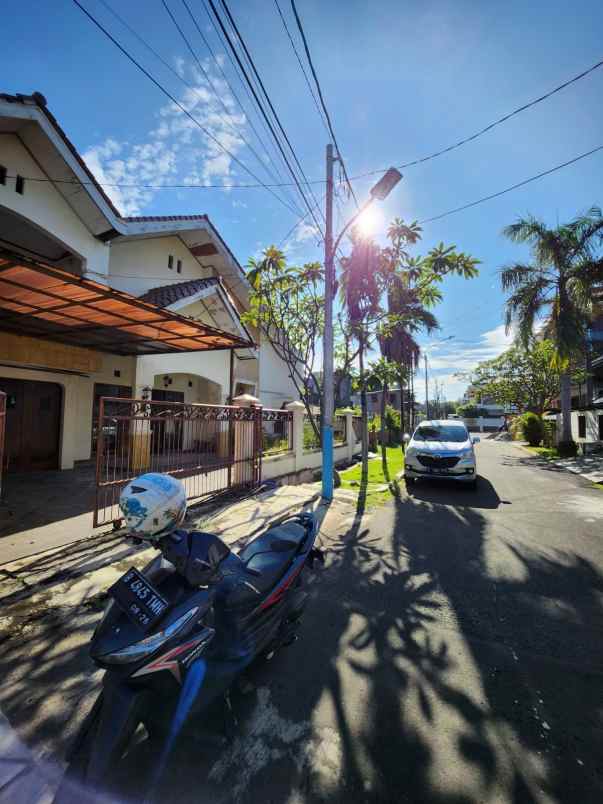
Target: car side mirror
475, 439
406, 438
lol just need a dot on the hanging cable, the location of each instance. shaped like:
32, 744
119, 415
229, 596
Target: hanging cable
303, 69
266, 95
322, 100
263, 112
171, 97
249, 118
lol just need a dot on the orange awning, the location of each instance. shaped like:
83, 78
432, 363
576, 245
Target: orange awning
42, 301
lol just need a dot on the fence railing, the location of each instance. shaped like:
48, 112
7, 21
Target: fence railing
211, 448
277, 431
311, 438
357, 428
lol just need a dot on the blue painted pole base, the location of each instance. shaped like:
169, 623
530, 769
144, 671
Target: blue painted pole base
327, 463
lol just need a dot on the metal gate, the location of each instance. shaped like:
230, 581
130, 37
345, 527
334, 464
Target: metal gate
211, 448
2, 434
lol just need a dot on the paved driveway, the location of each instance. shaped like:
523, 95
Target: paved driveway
452, 653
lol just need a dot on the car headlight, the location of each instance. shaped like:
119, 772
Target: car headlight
146, 647
466, 453
410, 452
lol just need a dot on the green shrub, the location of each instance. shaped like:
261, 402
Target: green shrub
532, 428
471, 411
567, 449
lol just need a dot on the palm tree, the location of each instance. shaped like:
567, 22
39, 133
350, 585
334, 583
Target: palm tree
557, 284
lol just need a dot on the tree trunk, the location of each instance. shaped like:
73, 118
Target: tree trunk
363, 407
566, 406
383, 428
402, 422
411, 399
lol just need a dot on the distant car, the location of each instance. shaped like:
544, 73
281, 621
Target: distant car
441, 449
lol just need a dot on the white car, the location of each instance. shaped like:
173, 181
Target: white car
441, 449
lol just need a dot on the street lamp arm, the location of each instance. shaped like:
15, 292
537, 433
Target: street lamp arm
352, 220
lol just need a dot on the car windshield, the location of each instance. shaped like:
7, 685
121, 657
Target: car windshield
443, 432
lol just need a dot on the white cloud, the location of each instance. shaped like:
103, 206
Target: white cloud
462, 357
176, 150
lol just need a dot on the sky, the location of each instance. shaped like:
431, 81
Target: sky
401, 80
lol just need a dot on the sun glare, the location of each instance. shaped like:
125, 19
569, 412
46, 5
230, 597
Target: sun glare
368, 222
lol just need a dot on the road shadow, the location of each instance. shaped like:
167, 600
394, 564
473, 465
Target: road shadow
449, 492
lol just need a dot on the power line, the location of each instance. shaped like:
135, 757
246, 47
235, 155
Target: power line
238, 74
266, 95
322, 100
232, 90
513, 186
303, 69
237, 132
261, 108
171, 97
489, 127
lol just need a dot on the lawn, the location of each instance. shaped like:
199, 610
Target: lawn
378, 490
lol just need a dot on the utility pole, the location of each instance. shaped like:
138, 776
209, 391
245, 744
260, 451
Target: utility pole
328, 403
378, 192
426, 389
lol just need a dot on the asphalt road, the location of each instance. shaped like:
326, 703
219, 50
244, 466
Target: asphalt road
452, 653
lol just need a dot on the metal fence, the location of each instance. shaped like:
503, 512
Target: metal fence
357, 428
277, 431
211, 448
2, 434
311, 438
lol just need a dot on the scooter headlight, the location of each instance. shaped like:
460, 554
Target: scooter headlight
147, 646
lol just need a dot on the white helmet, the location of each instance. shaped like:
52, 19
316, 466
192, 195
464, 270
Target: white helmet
153, 505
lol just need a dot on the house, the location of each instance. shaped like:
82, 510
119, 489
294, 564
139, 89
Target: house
60, 233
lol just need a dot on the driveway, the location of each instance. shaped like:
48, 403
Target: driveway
452, 653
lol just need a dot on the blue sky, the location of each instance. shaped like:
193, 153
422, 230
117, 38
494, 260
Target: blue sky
401, 80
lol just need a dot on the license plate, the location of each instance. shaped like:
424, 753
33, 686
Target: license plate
439, 471
138, 598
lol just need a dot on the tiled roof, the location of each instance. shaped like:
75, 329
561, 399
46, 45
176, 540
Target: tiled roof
165, 295
160, 218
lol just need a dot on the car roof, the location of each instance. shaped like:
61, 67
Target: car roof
440, 422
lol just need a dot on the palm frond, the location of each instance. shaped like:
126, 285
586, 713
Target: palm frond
515, 275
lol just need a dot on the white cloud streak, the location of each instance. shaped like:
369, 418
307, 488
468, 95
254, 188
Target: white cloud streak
175, 151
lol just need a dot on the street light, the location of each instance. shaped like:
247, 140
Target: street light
380, 191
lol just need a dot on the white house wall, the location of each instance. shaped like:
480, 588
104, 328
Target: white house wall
46, 208
139, 265
276, 385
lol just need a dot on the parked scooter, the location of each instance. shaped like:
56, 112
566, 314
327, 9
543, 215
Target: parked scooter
177, 635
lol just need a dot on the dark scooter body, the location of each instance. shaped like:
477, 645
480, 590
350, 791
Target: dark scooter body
243, 606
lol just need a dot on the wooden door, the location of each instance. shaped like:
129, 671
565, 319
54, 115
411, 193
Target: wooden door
33, 424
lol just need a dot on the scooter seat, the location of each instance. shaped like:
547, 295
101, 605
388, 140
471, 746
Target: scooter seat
262, 563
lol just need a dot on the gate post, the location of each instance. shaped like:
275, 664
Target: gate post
247, 450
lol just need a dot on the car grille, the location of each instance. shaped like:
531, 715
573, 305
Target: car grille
438, 463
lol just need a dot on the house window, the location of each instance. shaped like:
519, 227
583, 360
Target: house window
2, 174
581, 426
179, 267
600, 427
20, 185
170, 262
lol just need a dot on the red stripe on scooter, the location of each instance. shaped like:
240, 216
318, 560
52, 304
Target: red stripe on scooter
278, 593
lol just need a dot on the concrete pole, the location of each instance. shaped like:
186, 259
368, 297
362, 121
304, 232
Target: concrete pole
328, 405
426, 390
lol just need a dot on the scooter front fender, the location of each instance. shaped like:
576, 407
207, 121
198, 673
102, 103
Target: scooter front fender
119, 715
